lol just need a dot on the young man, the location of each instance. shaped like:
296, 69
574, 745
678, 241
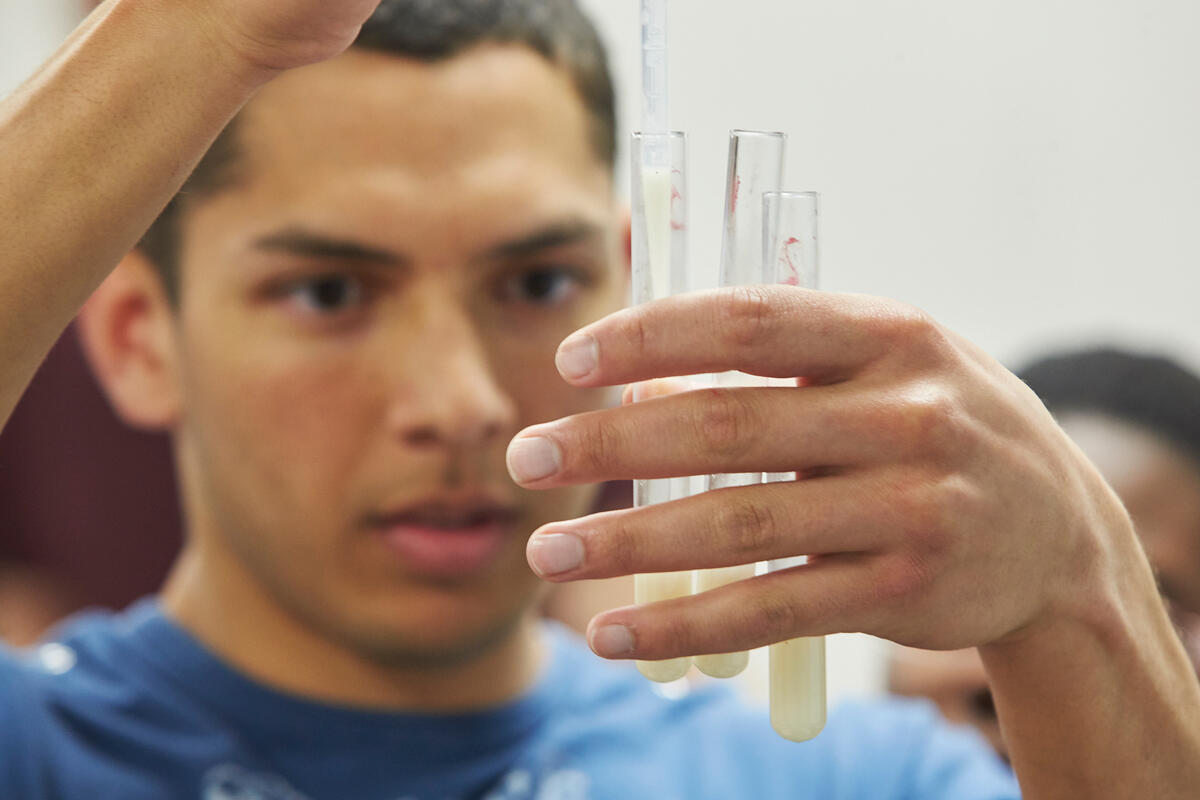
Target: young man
343, 321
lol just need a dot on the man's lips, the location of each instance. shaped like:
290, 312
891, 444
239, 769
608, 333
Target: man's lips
447, 540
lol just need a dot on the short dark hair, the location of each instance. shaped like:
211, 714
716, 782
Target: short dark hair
1152, 392
428, 30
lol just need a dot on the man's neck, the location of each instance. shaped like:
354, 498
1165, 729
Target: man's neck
238, 620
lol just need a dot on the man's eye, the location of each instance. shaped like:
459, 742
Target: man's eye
328, 294
547, 286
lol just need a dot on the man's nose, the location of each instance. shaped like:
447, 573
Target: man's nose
449, 395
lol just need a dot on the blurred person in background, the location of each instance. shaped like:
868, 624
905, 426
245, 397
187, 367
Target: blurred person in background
1137, 417
369, 323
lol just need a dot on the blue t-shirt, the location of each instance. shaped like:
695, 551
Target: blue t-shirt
132, 707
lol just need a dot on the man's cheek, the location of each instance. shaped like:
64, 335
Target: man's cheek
297, 420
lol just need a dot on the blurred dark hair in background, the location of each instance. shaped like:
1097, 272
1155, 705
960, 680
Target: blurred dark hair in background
1151, 391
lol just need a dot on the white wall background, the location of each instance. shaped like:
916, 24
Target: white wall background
1026, 170
29, 32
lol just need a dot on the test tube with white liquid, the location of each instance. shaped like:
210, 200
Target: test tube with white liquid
755, 167
659, 263
659, 250
797, 667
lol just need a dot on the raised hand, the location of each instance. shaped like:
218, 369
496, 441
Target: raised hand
161, 79
281, 34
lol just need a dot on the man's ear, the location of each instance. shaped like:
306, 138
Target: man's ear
127, 331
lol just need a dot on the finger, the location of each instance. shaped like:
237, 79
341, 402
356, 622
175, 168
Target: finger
722, 528
832, 595
713, 431
773, 331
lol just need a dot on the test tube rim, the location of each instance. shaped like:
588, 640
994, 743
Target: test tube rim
743, 132
794, 194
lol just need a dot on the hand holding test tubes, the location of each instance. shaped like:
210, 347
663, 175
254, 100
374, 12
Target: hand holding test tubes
938, 503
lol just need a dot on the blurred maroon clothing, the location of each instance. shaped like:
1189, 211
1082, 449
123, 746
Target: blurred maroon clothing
82, 496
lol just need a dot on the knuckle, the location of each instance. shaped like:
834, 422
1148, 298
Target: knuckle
913, 330
775, 614
747, 315
598, 448
674, 635
934, 423
916, 512
637, 332
744, 528
723, 418
905, 578
952, 500
620, 546
930, 513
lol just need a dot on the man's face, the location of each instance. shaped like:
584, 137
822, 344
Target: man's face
367, 316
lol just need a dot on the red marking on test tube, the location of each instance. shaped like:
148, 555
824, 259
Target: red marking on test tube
793, 274
676, 225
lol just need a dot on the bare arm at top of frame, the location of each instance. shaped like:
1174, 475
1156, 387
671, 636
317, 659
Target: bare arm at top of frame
100, 138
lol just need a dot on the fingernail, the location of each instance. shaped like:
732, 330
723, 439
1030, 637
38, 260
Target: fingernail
555, 553
533, 458
612, 641
578, 356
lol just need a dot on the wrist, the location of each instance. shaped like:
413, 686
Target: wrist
191, 38
1105, 604
1080, 691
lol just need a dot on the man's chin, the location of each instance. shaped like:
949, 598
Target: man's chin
434, 643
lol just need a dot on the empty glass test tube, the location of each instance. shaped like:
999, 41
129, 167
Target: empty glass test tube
659, 253
755, 167
797, 667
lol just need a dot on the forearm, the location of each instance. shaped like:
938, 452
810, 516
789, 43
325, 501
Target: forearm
1104, 705
91, 149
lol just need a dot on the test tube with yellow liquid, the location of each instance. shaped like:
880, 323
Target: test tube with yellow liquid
797, 667
755, 168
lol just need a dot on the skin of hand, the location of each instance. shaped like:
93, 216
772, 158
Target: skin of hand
193, 65
277, 36
939, 504
942, 504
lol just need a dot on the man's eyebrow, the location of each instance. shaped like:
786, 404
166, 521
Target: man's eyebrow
310, 244
558, 234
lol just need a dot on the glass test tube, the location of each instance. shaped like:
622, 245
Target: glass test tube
755, 167
659, 262
797, 667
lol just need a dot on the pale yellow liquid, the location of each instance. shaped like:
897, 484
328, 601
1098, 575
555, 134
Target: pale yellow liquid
651, 588
798, 688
